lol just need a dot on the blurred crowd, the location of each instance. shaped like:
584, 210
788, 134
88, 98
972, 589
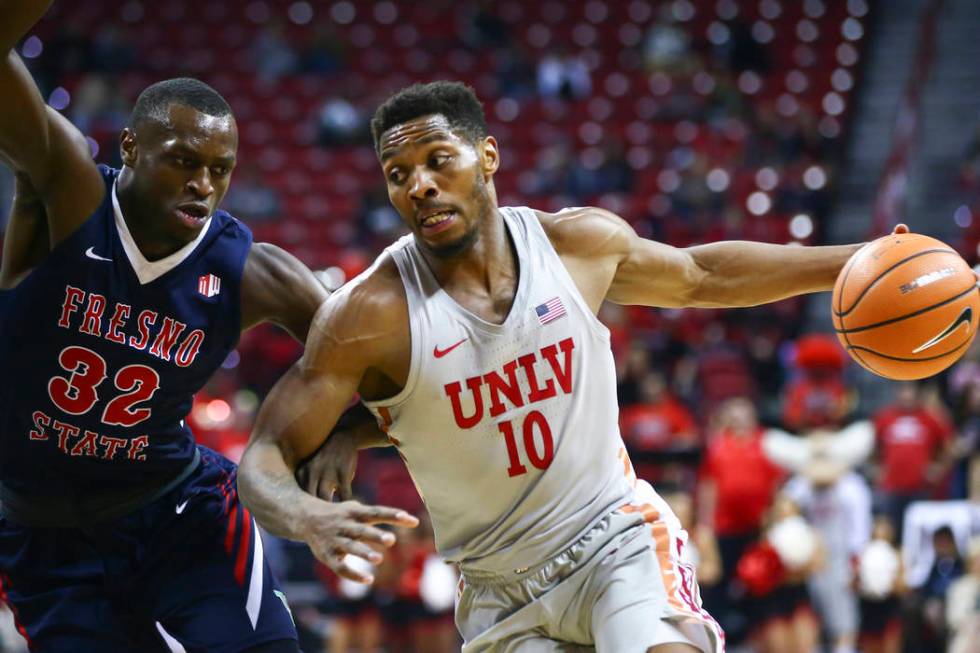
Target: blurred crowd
811, 522
967, 215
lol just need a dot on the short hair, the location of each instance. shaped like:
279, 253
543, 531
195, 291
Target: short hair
454, 100
155, 100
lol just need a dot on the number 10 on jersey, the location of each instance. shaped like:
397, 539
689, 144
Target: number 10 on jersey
535, 424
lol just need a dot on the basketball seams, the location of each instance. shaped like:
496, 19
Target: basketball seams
893, 320
914, 360
840, 301
853, 350
841, 313
846, 273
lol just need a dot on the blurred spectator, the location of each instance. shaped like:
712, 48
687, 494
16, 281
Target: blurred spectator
963, 605
112, 50
340, 123
99, 105
413, 594
738, 481
658, 423
356, 623
970, 167
818, 397
514, 72
701, 550
667, 46
781, 614
551, 168
966, 448
964, 373
324, 52
564, 75
69, 52
912, 448
881, 583
745, 52
378, 223
839, 507
926, 610
723, 370
483, 28
632, 369
272, 53
251, 198
597, 172
922, 519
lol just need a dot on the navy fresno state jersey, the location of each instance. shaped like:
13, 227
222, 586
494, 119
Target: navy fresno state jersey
103, 351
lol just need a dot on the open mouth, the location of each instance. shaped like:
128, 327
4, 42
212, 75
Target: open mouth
193, 215
436, 222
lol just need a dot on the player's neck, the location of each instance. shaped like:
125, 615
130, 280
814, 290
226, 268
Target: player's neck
149, 243
489, 266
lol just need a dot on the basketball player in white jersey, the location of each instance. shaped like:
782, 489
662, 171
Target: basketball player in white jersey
475, 342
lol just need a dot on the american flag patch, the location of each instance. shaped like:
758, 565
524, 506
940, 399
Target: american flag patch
550, 311
208, 285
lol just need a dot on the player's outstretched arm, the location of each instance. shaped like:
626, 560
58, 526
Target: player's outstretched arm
36, 140
348, 335
716, 275
25, 241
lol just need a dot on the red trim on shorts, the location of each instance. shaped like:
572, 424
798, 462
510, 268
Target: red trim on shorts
4, 584
678, 578
242, 556
232, 529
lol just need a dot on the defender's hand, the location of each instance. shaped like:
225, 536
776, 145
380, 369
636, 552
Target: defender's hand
336, 530
331, 469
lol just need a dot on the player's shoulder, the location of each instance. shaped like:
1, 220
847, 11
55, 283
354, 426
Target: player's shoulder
265, 260
372, 307
586, 230
378, 290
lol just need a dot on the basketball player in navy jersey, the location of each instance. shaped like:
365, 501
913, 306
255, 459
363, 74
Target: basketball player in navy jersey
120, 293
475, 342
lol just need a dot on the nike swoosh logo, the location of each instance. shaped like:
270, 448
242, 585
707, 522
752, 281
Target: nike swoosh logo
439, 353
965, 317
181, 506
90, 252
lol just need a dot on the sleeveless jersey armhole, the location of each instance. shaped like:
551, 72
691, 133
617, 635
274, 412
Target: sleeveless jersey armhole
246, 233
537, 235
416, 332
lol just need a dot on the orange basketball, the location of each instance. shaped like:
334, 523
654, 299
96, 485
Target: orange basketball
906, 306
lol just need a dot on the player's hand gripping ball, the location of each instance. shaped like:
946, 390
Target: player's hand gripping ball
906, 306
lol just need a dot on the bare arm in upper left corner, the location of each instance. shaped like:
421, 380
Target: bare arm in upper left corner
277, 287
26, 240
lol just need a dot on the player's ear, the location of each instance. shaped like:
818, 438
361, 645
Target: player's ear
127, 147
489, 155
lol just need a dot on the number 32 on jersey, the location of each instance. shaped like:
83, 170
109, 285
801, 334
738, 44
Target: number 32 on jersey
77, 393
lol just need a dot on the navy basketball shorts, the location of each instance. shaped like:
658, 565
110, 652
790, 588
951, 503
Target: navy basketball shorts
184, 573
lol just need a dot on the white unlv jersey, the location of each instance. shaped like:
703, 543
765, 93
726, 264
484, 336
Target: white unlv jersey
510, 431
